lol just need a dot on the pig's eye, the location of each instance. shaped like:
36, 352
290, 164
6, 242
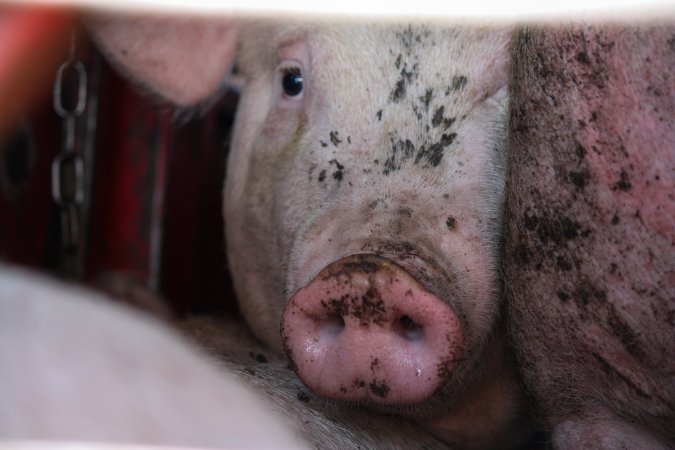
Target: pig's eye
292, 81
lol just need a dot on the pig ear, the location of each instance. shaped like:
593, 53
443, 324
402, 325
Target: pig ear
183, 59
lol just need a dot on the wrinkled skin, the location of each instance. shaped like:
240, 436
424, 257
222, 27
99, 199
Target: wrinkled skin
76, 367
390, 161
589, 267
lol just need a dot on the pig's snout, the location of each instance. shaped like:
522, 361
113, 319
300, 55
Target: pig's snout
365, 328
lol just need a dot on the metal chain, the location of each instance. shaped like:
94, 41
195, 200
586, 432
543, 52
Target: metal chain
68, 177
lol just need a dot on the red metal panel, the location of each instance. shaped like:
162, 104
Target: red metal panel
129, 170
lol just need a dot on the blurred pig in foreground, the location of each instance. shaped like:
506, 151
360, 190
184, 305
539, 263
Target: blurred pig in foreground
75, 367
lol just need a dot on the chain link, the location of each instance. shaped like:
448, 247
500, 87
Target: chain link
68, 177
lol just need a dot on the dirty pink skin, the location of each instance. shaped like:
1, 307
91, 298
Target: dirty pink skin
364, 320
391, 155
590, 235
312, 180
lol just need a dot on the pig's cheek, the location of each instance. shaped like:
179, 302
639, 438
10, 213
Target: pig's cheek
280, 126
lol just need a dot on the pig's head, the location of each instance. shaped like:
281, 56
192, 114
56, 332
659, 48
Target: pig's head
363, 203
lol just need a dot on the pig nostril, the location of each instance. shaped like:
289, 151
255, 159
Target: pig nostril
409, 329
332, 325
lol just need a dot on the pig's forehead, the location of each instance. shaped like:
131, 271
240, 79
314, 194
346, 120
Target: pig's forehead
330, 41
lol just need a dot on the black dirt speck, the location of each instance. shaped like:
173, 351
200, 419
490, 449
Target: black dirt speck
458, 82
582, 57
334, 138
624, 183
379, 388
579, 178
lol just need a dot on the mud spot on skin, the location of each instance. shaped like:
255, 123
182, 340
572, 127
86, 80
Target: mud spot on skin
379, 115
450, 223
615, 220
337, 306
579, 178
334, 138
401, 86
370, 308
323, 144
399, 90
434, 154
438, 119
417, 112
582, 57
379, 388
322, 176
458, 82
443, 369
346, 269
378, 201
357, 384
400, 248
586, 292
338, 174
553, 230
426, 99
410, 38
404, 211
401, 151
624, 183
580, 151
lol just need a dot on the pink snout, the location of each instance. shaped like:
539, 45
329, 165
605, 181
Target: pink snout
364, 328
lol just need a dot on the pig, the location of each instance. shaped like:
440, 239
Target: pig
75, 366
589, 237
363, 205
